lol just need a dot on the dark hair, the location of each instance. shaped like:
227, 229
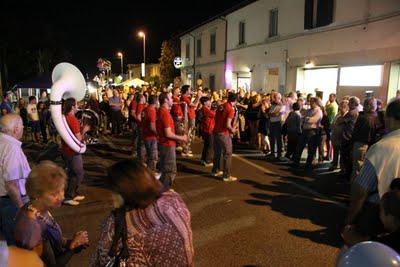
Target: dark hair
232, 97
152, 99
296, 106
68, 104
184, 89
162, 97
134, 182
391, 203
32, 98
393, 110
204, 99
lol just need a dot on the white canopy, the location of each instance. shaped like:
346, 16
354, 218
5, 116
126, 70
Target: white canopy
134, 82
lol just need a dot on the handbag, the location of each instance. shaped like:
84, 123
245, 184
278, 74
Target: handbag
119, 259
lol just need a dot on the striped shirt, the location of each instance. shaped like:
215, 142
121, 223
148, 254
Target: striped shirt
368, 180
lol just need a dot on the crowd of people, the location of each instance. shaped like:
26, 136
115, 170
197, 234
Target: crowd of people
361, 140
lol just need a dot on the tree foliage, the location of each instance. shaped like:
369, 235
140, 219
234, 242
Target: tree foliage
169, 50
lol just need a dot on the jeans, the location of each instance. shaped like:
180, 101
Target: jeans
222, 146
207, 153
8, 212
75, 174
151, 154
116, 121
140, 148
275, 137
167, 165
293, 140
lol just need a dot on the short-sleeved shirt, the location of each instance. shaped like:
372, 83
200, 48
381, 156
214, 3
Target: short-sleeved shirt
139, 112
191, 112
165, 121
224, 112
176, 109
149, 116
115, 100
13, 163
7, 106
207, 121
33, 112
75, 127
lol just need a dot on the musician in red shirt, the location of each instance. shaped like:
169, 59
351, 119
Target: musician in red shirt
73, 160
207, 125
191, 116
149, 132
223, 129
167, 140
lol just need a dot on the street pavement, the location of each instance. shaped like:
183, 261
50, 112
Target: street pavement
272, 216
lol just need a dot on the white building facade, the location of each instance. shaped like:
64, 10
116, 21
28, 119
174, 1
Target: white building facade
203, 54
324, 46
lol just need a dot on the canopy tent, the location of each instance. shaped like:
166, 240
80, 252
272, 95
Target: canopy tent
134, 82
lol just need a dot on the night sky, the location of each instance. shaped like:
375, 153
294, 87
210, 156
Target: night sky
93, 29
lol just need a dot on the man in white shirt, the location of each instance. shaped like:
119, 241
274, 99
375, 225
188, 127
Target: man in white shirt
14, 169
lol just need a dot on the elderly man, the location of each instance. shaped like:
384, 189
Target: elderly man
381, 166
14, 169
364, 134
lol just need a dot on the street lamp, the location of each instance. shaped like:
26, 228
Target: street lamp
142, 35
122, 62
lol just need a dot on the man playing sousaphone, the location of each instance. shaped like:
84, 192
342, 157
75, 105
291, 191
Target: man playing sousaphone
73, 160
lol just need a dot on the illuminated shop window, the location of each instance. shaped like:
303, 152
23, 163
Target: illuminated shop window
361, 76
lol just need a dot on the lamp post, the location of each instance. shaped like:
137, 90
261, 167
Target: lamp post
122, 62
142, 35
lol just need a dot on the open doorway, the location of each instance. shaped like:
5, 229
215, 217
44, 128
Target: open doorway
321, 81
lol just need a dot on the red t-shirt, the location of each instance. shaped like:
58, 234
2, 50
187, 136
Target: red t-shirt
139, 110
224, 112
207, 121
75, 127
191, 112
132, 107
165, 121
176, 109
149, 116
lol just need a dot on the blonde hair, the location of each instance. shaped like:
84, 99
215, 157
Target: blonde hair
44, 177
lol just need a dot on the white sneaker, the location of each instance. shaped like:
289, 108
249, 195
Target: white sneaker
78, 198
71, 202
230, 179
217, 174
179, 148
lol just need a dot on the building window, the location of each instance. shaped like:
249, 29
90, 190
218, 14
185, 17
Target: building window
213, 40
242, 32
273, 22
212, 81
198, 48
318, 13
361, 76
188, 50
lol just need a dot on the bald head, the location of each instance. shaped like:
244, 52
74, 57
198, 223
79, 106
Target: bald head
11, 124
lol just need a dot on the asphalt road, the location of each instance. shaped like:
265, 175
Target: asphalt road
271, 216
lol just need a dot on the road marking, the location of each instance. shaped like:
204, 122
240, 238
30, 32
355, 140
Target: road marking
301, 187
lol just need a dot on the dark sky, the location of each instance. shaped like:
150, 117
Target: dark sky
93, 29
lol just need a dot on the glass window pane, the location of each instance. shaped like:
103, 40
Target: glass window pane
361, 76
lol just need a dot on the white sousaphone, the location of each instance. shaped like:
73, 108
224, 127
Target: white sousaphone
68, 82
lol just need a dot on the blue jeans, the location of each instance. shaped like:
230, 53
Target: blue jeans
75, 173
275, 137
8, 211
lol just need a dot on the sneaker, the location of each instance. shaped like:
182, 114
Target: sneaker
217, 174
71, 202
209, 164
78, 198
179, 148
230, 179
188, 154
